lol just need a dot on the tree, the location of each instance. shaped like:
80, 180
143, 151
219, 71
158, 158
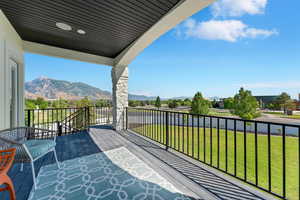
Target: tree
173, 103
271, 106
179, 101
200, 105
41, 103
61, 103
285, 102
85, 102
215, 104
142, 103
29, 104
133, 103
289, 105
283, 98
187, 102
157, 102
245, 105
228, 103
102, 103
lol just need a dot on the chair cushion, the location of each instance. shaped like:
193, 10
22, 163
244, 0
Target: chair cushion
39, 147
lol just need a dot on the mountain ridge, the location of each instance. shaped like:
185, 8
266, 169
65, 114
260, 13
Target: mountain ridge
51, 89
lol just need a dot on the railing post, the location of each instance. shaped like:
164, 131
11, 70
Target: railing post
28, 118
59, 128
126, 113
167, 130
88, 117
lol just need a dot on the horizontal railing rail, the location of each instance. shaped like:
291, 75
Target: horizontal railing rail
67, 120
263, 154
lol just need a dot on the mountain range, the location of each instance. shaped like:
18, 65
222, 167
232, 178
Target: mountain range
49, 88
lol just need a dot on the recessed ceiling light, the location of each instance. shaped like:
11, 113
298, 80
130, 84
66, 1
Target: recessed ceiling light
63, 26
80, 31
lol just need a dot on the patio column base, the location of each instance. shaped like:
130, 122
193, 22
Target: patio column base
119, 75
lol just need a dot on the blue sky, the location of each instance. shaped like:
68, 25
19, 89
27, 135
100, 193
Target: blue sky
234, 43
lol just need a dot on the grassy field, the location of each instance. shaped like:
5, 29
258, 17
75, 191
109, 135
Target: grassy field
220, 114
185, 134
214, 112
291, 116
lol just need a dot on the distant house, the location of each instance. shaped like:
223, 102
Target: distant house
221, 103
264, 100
297, 103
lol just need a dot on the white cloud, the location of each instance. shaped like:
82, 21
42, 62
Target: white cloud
236, 8
275, 85
228, 30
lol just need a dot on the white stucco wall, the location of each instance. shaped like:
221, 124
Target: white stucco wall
10, 49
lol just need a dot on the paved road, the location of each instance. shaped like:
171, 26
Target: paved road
277, 119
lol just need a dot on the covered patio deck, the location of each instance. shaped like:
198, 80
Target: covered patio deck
172, 175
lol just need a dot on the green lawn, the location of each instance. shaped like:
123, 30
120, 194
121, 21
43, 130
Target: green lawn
214, 112
220, 114
291, 116
156, 132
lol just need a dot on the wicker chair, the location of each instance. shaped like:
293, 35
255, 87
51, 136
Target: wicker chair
6, 160
30, 143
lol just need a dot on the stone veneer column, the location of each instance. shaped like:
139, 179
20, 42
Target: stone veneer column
119, 76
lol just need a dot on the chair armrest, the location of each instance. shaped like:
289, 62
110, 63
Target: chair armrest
39, 133
10, 141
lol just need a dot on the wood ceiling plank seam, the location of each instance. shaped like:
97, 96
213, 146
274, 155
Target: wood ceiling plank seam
174, 2
115, 54
129, 22
55, 39
131, 9
113, 10
143, 6
66, 34
148, 3
168, 4
118, 23
57, 32
64, 45
37, 9
69, 21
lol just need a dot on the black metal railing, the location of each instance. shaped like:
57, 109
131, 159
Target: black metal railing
75, 122
67, 120
262, 154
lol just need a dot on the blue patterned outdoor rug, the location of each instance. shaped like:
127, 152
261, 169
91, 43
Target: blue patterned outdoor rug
115, 174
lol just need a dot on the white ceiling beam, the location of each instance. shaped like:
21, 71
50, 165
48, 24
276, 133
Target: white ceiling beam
47, 50
182, 11
7, 30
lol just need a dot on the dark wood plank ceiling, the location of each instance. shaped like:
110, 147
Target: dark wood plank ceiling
110, 25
